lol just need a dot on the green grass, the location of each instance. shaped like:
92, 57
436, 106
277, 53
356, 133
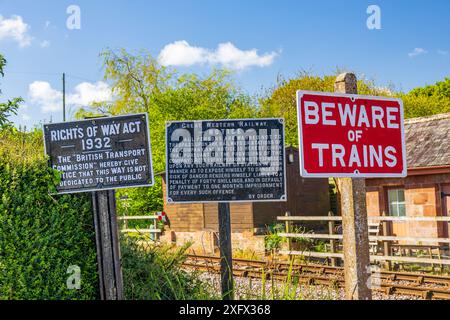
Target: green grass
153, 272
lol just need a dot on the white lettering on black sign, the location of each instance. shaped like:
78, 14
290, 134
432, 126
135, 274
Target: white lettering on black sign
101, 153
226, 160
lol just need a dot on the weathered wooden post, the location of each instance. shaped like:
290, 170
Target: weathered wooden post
354, 220
155, 236
332, 241
287, 225
386, 243
226, 260
107, 241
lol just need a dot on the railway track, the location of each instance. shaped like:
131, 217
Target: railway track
425, 286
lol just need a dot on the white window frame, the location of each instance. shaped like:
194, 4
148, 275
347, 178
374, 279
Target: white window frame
397, 203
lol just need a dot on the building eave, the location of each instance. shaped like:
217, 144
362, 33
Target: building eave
428, 170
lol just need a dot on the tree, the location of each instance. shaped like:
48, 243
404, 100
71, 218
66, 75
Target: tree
281, 101
141, 84
440, 89
428, 100
10, 107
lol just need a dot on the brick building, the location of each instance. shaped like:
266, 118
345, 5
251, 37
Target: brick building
426, 189
198, 222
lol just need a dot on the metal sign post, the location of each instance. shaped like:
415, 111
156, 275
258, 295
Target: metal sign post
225, 161
99, 155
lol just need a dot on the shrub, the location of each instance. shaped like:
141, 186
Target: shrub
153, 272
273, 240
41, 235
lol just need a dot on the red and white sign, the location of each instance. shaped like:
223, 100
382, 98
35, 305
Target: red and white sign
161, 216
346, 135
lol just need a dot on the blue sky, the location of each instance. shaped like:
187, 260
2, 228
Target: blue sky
411, 49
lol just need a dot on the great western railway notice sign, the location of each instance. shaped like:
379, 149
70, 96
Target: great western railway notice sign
101, 153
225, 161
345, 135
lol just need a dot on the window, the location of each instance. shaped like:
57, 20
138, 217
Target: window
396, 198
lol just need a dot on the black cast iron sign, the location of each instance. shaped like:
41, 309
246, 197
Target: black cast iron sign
225, 161
101, 153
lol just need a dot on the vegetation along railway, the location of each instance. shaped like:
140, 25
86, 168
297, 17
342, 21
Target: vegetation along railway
425, 286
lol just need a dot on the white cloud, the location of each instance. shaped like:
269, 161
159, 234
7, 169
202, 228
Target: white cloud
42, 93
417, 52
15, 29
85, 93
25, 117
442, 52
181, 53
45, 44
47, 24
232, 57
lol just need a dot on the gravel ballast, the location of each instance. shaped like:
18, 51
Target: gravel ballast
251, 288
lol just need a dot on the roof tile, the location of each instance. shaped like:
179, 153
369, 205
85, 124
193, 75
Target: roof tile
428, 141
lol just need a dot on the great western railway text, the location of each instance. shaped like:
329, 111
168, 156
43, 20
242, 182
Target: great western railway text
228, 160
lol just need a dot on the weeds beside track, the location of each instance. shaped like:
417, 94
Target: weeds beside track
424, 286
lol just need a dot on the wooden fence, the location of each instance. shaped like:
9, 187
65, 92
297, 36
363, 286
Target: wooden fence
385, 241
154, 232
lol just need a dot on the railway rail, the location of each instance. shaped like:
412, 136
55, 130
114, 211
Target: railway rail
425, 286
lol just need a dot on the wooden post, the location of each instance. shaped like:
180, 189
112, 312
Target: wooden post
287, 225
155, 235
386, 244
107, 241
354, 220
332, 241
226, 260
